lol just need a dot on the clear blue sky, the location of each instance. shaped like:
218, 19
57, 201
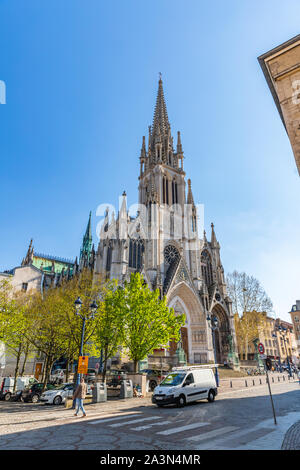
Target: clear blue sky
81, 80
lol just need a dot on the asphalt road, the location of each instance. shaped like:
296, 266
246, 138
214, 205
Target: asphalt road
236, 420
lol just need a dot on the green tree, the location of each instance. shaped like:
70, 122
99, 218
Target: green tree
110, 322
15, 323
148, 322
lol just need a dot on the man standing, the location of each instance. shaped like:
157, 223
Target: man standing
79, 395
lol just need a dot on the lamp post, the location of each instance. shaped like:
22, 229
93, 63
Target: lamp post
213, 323
282, 333
84, 318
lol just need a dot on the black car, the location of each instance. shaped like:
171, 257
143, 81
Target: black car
154, 376
115, 377
34, 392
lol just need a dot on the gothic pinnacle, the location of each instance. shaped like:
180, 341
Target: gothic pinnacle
179, 145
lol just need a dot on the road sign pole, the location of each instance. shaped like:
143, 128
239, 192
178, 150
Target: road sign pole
268, 382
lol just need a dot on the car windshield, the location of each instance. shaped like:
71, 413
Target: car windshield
172, 379
61, 387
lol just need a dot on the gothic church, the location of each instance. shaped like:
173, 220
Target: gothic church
162, 242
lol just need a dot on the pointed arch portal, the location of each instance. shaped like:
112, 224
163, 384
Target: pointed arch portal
221, 334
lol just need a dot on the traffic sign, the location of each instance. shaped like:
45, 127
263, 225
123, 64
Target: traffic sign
83, 364
261, 348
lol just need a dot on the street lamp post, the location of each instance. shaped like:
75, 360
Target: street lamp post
84, 318
213, 323
282, 333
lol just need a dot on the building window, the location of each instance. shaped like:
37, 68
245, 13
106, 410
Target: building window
136, 249
206, 267
200, 358
174, 192
165, 191
108, 258
24, 286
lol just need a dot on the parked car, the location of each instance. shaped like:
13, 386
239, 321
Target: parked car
91, 374
186, 385
115, 377
34, 392
58, 395
154, 377
7, 385
58, 376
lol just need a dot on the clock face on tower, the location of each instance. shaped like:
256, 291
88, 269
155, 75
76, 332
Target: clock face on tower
217, 297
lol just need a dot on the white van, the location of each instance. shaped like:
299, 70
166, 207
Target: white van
7, 385
184, 385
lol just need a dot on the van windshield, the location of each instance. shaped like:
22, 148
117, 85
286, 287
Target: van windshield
172, 379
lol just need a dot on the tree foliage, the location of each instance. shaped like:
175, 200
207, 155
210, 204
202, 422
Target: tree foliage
149, 322
248, 328
247, 294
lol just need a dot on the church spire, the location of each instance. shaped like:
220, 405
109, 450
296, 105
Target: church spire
161, 123
213, 239
88, 232
86, 247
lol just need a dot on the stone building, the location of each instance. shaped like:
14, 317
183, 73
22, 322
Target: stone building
163, 243
295, 316
281, 67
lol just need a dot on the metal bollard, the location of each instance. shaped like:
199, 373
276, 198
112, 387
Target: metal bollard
260, 381
278, 378
246, 383
283, 378
273, 379
253, 382
230, 383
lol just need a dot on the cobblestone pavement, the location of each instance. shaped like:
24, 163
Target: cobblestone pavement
292, 438
237, 419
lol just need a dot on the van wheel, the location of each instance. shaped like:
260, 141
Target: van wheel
159, 405
7, 396
181, 401
211, 396
35, 398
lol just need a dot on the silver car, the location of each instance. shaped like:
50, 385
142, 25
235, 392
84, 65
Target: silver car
58, 395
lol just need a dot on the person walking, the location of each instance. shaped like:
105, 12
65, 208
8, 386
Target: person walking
79, 395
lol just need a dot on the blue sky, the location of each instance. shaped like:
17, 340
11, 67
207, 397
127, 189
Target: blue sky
81, 81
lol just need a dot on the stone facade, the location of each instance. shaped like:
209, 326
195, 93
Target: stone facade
295, 316
281, 67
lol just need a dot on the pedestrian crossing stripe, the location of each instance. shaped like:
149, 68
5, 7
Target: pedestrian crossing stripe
147, 426
114, 418
139, 420
182, 428
214, 433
